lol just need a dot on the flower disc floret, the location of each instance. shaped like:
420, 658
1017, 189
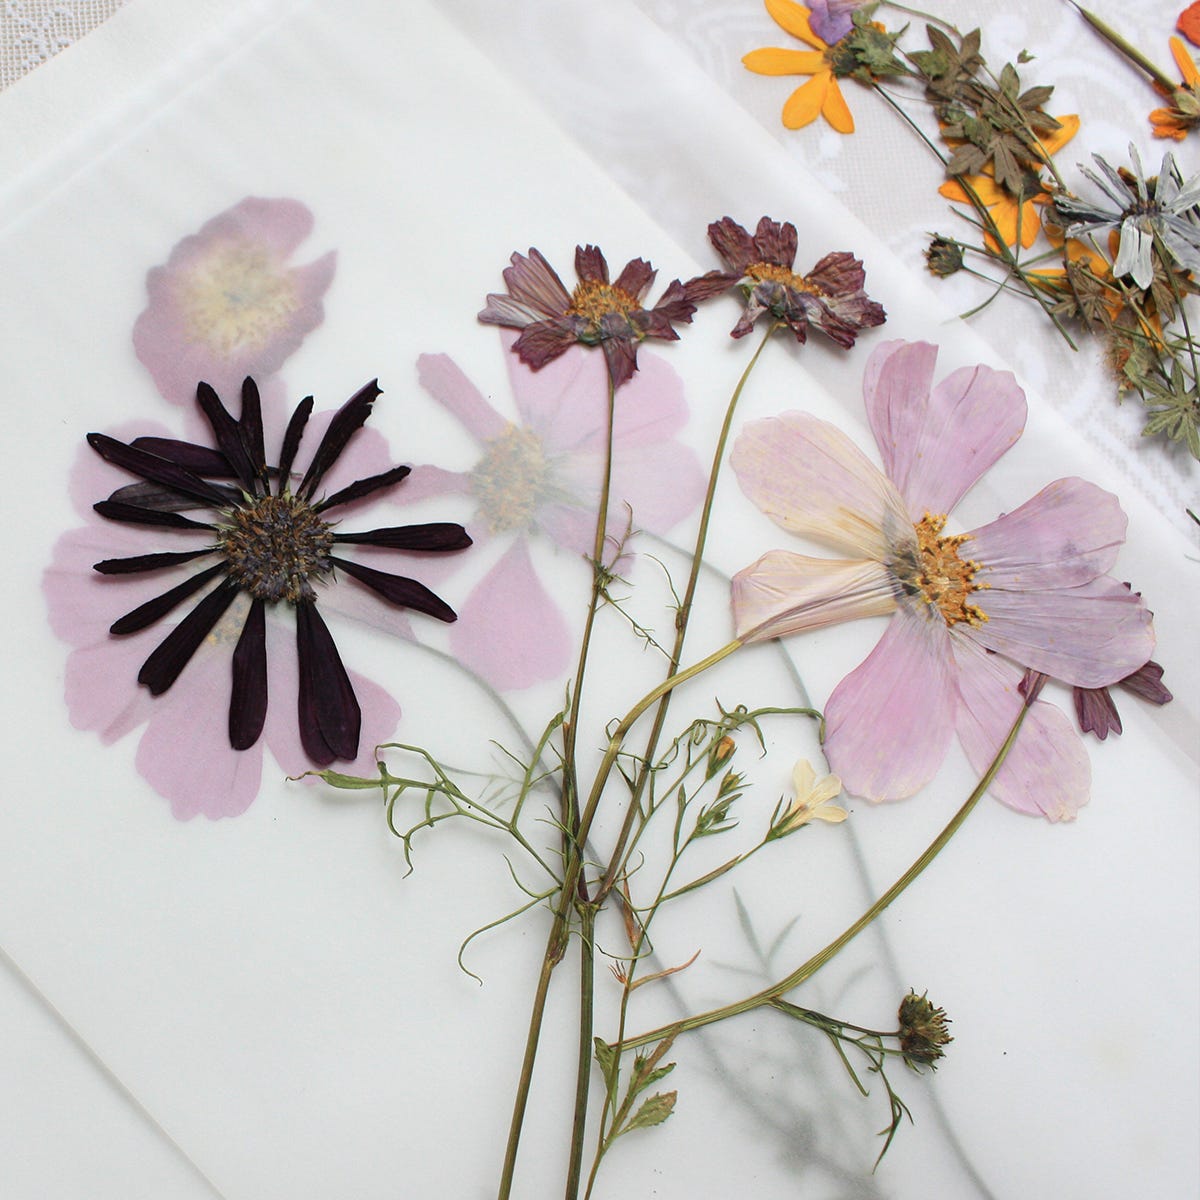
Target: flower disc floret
274, 545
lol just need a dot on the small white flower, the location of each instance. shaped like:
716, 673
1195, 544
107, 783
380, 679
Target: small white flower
813, 800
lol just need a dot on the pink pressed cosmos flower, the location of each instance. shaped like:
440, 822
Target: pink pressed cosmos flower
1029, 588
597, 313
538, 477
830, 297
187, 750
227, 304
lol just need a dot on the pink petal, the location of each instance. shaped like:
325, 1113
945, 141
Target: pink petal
807, 476
1068, 534
101, 687
510, 631
441, 377
936, 445
1088, 636
889, 722
786, 593
1047, 772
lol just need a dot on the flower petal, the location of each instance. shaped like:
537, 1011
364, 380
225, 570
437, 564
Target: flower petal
794, 18
397, 589
804, 105
835, 109
733, 243
786, 593
1087, 636
889, 722
936, 444
329, 714
808, 477
153, 610
172, 654
512, 633
248, 696
433, 536
774, 61
346, 422
1066, 535
1047, 772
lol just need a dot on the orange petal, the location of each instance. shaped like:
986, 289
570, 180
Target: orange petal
1189, 23
953, 190
1167, 125
835, 110
773, 61
804, 104
1184, 61
984, 186
794, 18
1052, 143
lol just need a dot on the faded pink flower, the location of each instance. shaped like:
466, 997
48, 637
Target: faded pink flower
184, 750
539, 476
597, 313
227, 304
1029, 588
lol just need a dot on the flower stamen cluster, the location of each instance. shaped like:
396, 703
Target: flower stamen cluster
273, 546
943, 577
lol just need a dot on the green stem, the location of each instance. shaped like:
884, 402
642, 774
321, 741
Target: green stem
818, 960
681, 619
583, 1070
1130, 51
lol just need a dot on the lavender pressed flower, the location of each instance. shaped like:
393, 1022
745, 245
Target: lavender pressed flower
599, 312
830, 297
1169, 215
274, 544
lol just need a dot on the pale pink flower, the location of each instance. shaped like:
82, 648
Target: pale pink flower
538, 477
1029, 588
184, 750
228, 304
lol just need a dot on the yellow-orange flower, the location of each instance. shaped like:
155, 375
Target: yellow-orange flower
1183, 116
820, 96
1013, 219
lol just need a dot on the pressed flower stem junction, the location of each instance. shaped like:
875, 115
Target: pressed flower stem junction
769, 996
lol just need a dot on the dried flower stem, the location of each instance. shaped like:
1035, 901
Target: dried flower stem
811, 966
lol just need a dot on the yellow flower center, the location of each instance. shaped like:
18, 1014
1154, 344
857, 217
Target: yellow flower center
511, 480
944, 578
593, 300
763, 272
237, 298
274, 545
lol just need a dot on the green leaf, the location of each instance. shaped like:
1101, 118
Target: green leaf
653, 1112
349, 782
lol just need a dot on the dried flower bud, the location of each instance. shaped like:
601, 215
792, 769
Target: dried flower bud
944, 256
719, 755
922, 1031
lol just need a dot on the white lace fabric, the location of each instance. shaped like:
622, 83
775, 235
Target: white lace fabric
32, 31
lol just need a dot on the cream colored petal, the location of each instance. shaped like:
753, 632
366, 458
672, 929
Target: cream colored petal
809, 477
786, 593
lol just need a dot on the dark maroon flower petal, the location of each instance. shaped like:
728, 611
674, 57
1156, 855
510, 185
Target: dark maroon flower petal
330, 718
705, 287
544, 341
733, 244
775, 243
1096, 712
153, 495
248, 699
155, 469
533, 282
837, 274
590, 265
162, 668
347, 421
636, 278
364, 487
621, 356
135, 514
200, 460
436, 535
146, 614
148, 562
252, 431
231, 437
676, 304
396, 589
291, 441
1147, 683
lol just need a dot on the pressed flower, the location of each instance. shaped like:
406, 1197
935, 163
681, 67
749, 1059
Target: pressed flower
537, 480
1189, 23
266, 541
1183, 114
1016, 217
831, 20
813, 801
599, 312
820, 96
944, 256
228, 304
1168, 217
1031, 586
923, 1031
1098, 714
830, 297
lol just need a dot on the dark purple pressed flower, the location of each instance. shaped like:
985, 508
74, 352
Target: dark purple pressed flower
597, 313
830, 296
1095, 708
273, 544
